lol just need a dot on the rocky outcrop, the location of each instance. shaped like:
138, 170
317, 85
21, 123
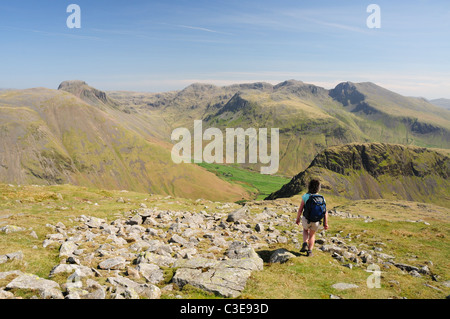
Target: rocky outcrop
347, 94
226, 278
360, 170
237, 105
88, 94
18, 255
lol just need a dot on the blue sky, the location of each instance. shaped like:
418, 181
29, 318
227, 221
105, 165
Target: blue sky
166, 45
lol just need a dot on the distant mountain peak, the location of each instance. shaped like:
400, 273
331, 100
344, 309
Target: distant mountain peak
200, 86
347, 93
290, 82
71, 84
87, 93
235, 104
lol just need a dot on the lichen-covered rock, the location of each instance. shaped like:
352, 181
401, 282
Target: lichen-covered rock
344, 286
281, 256
238, 214
48, 289
151, 272
6, 294
144, 290
83, 271
226, 278
226, 282
113, 263
11, 229
67, 248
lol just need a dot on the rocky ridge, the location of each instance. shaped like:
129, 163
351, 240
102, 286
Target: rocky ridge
374, 170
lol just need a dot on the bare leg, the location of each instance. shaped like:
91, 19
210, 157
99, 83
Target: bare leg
311, 239
305, 235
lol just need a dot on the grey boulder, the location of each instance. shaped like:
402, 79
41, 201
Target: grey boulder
48, 289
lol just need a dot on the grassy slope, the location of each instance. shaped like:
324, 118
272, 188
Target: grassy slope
63, 140
399, 119
411, 243
400, 106
259, 185
301, 277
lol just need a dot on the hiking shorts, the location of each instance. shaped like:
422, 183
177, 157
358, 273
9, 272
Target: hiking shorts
314, 226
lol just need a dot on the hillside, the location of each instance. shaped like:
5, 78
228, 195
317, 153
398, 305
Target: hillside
376, 171
393, 117
152, 126
53, 137
444, 103
80, 243
310, 118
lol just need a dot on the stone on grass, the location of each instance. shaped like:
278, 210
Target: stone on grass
151, 272
113, 263
11, 229
67, 248
238, 214
144, 290
344, 286
226, 278
48, 289
94, 222
6, 294
83, 271
281, 256
178, 240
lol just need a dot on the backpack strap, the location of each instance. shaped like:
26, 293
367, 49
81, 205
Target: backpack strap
305, 208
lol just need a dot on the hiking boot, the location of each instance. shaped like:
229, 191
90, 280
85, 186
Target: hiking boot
304, 247
309, 253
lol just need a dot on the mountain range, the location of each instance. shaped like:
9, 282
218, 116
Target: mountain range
121, 140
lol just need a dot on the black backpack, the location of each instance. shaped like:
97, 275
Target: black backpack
315, 208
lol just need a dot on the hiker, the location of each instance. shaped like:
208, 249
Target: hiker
313, 207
